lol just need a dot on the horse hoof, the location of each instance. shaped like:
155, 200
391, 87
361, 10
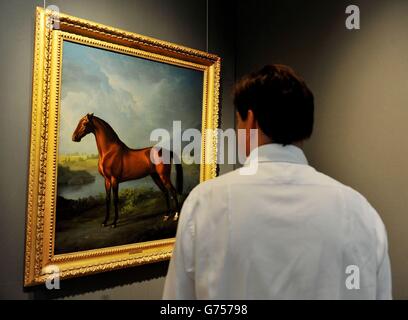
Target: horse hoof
104, 224
113, 226
166, 218
176, 216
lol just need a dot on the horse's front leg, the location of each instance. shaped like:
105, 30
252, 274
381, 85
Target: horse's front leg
115, 187
108, 201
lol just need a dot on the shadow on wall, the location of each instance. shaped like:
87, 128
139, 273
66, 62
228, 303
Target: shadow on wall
71, 288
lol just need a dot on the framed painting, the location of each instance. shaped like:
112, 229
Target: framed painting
97, 200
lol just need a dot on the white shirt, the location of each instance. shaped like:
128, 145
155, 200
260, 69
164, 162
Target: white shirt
286, 232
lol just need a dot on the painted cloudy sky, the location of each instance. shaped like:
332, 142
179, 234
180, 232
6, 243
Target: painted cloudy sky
135, 96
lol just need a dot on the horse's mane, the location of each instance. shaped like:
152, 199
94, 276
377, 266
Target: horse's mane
112, 132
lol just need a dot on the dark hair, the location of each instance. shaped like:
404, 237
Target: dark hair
282, 103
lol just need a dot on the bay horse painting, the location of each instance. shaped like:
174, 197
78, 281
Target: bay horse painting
119, 163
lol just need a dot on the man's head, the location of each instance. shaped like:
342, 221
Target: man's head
277, 102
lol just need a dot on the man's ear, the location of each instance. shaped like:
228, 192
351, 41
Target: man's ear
251, 120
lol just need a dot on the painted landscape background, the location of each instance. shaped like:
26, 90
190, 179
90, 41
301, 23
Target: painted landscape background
135, 96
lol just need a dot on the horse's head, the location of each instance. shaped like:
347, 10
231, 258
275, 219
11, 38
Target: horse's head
84, 127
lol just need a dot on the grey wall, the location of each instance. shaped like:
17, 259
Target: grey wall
179, 21
360, 81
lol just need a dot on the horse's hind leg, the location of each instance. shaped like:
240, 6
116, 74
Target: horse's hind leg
115, 187
174, 196
108, 201
159, 183
165, 178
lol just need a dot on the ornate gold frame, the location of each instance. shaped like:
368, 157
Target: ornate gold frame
40, 230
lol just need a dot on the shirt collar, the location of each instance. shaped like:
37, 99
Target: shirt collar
277, 153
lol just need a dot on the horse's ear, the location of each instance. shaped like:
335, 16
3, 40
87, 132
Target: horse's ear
90, 116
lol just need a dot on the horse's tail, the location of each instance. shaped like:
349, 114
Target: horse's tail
179, 173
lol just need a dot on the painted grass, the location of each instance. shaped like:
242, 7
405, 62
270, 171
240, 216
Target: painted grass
78, 225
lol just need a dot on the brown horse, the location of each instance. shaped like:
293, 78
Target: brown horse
118, 163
